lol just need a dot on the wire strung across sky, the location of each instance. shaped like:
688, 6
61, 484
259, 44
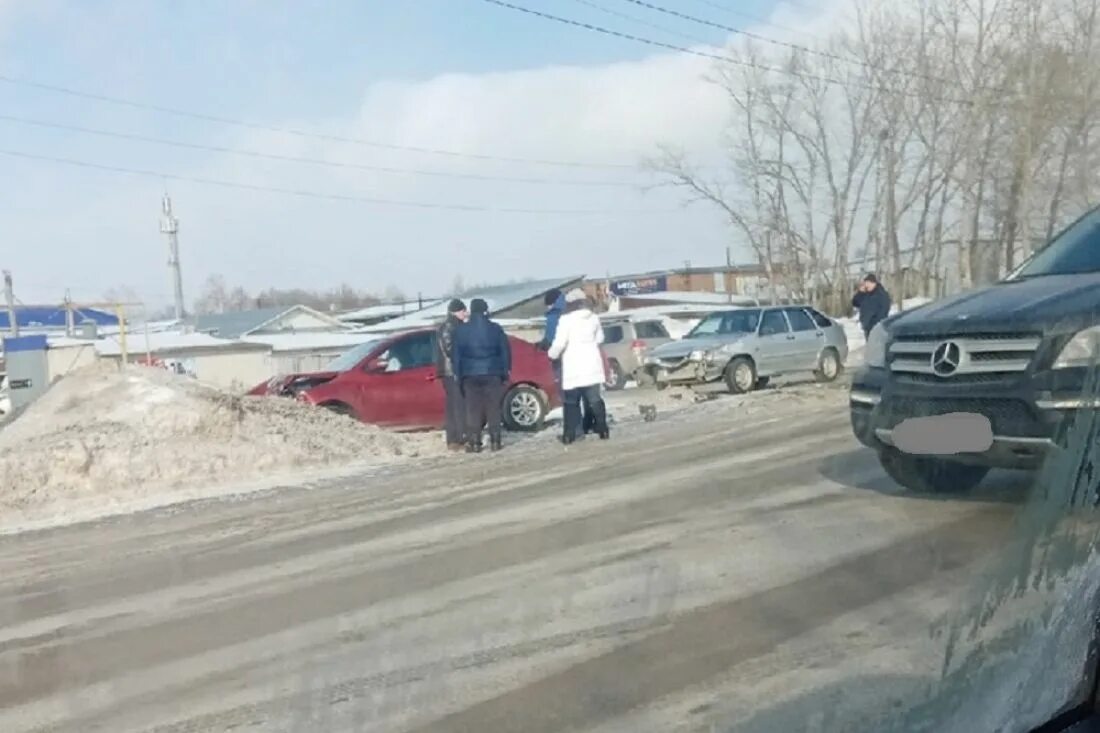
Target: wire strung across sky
864, 84
134, 104
303, 193
310, 161
784, 44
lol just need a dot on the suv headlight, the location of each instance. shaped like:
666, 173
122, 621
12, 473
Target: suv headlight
698, 355
874, 353
1082, 350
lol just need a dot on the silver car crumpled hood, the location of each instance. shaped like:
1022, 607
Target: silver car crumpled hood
684, 347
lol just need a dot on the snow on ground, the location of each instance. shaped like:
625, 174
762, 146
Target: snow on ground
101, 441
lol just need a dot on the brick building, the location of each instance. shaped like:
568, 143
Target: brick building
743, 280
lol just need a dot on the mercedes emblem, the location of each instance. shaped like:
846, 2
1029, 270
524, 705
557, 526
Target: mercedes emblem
946, 358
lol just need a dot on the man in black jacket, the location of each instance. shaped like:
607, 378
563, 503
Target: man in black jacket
482, 363
455, 423
872, 301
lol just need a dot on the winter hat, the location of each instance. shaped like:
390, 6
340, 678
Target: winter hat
477, 305
456, 306
576, 295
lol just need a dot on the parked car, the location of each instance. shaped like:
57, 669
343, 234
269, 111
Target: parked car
1019, 355
625, 343
391, 382
746, 347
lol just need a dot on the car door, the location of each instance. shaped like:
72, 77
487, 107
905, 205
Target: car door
648, 335
807, 342
401, 389
774, 344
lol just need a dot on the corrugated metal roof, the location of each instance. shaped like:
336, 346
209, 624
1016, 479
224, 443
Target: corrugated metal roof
52, 316
235, 325
499, 298
387, 310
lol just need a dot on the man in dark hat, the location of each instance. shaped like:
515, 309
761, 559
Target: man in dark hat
872, 301
445, 371
482, 363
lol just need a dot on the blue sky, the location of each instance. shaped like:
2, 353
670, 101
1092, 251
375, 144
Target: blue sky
455, 74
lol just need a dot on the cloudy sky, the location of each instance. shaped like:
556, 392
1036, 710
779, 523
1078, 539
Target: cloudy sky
449, 75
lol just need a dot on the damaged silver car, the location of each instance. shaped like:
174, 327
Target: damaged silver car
746, 347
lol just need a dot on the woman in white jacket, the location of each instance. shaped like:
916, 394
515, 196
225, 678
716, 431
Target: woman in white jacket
577, 343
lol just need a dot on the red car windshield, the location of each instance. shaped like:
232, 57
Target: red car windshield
352, 356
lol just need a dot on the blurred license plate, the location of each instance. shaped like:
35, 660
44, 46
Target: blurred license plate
956, 432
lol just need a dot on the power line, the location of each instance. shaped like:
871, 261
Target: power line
318, 195
864, 84
301, 133
640, 21
784, 44
301, 159
754, 18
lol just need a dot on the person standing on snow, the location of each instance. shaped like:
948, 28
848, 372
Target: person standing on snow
555, 305
455, 423
872, 301
482, 363
577, 342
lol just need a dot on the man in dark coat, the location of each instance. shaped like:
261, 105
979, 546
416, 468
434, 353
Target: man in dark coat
482, 363
455, 423
872, 301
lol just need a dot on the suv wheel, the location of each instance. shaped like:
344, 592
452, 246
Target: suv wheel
740, 375
617, 379
927, 475
828, 366
524, 409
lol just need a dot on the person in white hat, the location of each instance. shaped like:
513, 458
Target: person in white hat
577, 343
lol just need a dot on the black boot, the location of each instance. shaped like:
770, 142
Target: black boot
495, 442
473, 445
599, 415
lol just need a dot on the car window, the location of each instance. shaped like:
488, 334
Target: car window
352, 356
800, 320
726, 322
1075, 250
411, 352
820, 319
773, 323
612, 334
650, 330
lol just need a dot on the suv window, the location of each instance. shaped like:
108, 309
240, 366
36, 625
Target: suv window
822, 320
1075, 250
773, 322
800, 320
650, 330
612, 334
412, 352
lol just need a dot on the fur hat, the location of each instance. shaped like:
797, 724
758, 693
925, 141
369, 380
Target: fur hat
576, 295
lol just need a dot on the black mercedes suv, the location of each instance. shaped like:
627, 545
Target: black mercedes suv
1019, 354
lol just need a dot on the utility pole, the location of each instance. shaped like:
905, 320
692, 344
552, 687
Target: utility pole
9, 299
170, 225
70, 321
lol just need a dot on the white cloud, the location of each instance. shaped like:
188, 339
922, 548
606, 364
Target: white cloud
610, 114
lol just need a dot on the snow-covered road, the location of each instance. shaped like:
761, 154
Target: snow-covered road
714, 569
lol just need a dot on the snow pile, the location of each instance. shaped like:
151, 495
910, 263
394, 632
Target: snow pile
105, 437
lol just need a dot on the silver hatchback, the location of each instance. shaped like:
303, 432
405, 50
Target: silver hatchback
747, 346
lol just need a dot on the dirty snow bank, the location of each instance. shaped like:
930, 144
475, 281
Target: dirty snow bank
103, 441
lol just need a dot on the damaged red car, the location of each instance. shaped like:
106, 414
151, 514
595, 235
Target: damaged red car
391, 382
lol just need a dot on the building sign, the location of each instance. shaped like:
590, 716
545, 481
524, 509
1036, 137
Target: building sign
640, 285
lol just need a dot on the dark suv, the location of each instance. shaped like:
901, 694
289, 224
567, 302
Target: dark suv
1016, 354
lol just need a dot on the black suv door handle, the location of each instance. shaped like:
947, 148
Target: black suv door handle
791, 337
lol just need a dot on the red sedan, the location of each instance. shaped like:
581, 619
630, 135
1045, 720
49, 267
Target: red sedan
391, 382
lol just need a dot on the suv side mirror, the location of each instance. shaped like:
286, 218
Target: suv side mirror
378, 366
